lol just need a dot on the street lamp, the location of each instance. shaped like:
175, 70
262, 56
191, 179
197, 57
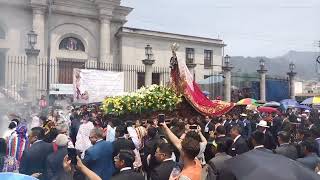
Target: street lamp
262, 64
32, 39
227, 60
148, 52
292, 66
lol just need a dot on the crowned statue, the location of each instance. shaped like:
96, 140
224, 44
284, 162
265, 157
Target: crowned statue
183, 83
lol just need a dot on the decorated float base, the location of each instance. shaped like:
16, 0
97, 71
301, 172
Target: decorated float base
147, 103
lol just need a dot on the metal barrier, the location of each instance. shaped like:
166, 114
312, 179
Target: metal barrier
61, 71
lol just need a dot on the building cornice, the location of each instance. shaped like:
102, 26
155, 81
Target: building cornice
120, 14
94, 9
81, 8
126, 31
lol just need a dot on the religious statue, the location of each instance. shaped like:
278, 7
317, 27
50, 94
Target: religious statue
182, 82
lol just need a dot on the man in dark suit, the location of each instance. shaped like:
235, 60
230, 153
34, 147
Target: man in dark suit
276, 124
257, 141
311, 159
246, 130
239, 145
269, 141
121, 142
228, 124
54, 166
236, 121
163, 155
98, 157
150, 149
218, 164
124, 162
209, 126
285, 148
34, 159
220, 136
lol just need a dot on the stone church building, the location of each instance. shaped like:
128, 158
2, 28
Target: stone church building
94, 30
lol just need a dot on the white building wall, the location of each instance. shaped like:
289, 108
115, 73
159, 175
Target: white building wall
17, 22
133, 52
85, 29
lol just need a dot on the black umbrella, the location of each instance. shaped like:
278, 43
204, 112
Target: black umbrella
257, 164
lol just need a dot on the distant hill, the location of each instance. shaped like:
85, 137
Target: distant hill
278, 66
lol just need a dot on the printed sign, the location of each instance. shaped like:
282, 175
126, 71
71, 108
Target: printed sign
94, 85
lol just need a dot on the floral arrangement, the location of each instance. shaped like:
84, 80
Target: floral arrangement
151, 99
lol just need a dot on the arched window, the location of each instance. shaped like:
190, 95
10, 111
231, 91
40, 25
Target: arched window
2, 33
71, 44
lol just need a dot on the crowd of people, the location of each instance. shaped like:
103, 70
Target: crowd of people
178, 148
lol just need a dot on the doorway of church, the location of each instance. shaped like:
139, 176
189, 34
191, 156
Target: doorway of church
66, 71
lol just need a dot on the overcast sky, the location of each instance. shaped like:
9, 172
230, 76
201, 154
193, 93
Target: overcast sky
249, 27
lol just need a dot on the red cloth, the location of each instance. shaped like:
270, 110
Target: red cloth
195, 96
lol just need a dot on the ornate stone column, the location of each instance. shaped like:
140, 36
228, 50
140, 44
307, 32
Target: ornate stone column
105, 55
292, 75
148, 71
32, 69
291, 84
227, 82
262, 73
38, 22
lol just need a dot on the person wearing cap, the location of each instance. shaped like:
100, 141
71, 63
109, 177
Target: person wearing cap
269, 141
307, 112
124, 162
246, 130
53, 164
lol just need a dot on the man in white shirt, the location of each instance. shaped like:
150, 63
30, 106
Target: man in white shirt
133, 135
111, 132
83, 142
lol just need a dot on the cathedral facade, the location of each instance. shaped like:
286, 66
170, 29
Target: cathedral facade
94, 30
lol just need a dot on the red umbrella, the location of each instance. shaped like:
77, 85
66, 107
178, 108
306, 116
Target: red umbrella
268, 110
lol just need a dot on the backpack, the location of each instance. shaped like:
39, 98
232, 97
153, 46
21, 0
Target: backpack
212, 173
10, 164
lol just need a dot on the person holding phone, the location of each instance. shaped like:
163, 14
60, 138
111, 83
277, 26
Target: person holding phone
189, 148
69, 168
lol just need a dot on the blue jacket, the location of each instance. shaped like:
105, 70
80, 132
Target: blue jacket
99, 159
